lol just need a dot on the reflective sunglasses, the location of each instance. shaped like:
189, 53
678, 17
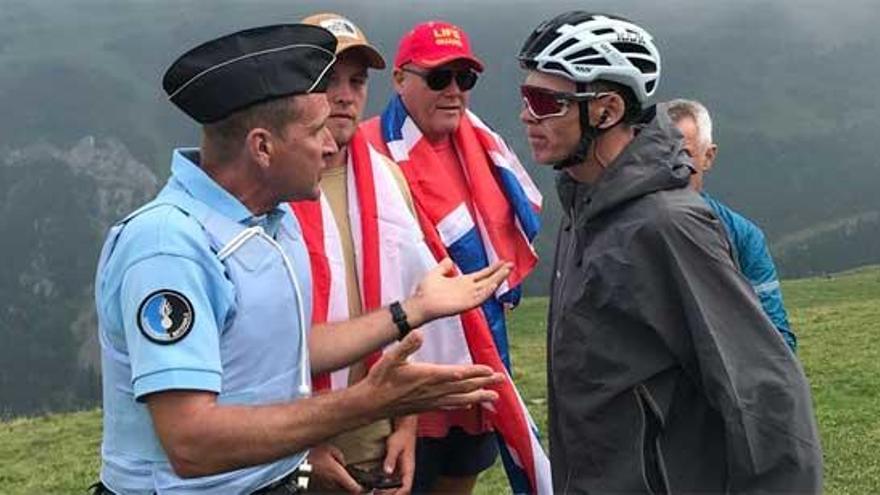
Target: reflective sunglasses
439, 79
544, 103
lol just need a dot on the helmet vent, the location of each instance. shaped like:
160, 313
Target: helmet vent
644, 66
625, 47
555, 66
567, 43
649, 86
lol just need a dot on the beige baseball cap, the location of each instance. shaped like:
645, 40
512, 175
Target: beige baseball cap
348, 36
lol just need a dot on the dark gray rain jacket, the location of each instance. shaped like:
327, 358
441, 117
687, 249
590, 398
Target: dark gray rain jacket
665, 376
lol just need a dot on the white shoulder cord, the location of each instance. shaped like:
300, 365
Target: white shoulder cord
237, 242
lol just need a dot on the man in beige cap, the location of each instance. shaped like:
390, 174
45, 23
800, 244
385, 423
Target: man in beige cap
365, 210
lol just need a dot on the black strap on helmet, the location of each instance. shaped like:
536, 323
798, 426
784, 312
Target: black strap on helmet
588, 134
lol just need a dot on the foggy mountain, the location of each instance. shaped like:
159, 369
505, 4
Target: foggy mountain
86, 134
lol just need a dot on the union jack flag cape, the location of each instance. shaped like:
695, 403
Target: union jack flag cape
506, 207
390, 254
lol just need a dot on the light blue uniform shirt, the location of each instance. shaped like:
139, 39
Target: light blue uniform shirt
172, 315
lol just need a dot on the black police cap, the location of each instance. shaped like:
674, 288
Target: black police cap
231, 73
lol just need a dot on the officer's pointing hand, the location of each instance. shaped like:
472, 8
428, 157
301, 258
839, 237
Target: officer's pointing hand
442, 293
407, 388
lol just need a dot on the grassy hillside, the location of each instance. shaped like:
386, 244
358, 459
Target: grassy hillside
76, 72
835, 317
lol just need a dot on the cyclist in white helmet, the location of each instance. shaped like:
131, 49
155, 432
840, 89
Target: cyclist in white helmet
664, 375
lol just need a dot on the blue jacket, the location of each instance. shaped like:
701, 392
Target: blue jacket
753, 257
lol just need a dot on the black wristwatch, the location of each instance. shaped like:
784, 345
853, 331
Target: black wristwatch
398, 315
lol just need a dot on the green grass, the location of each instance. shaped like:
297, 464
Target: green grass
836, 320
52, 454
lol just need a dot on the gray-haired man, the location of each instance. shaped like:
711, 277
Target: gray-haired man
747, 241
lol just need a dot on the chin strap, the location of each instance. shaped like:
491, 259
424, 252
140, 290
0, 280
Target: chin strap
588, 134
580, 152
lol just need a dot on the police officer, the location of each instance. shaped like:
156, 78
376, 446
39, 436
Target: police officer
204, 293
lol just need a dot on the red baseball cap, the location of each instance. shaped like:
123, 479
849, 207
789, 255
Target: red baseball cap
434, 43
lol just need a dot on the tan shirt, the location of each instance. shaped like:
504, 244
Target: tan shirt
364, 446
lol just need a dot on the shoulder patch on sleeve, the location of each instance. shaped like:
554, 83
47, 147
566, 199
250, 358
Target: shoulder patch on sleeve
165, 317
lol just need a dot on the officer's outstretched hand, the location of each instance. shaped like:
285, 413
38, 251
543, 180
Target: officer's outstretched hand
401, 388
442, 293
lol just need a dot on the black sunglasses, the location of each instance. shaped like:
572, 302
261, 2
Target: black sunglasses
439, 79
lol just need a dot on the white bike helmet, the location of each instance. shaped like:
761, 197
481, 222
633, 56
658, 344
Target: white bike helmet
584, 48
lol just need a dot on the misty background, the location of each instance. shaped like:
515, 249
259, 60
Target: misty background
86, 135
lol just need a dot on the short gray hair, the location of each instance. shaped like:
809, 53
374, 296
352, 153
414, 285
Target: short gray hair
680, 108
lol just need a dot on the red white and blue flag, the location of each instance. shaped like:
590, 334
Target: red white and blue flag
501, 223
391, 257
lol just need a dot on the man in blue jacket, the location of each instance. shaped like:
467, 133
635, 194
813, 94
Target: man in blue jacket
747, 242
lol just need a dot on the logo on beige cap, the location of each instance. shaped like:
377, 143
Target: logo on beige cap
340, 27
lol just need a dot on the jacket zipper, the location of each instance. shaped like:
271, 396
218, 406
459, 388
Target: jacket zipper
653, 468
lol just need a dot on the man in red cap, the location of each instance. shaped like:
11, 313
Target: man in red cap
476, 204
